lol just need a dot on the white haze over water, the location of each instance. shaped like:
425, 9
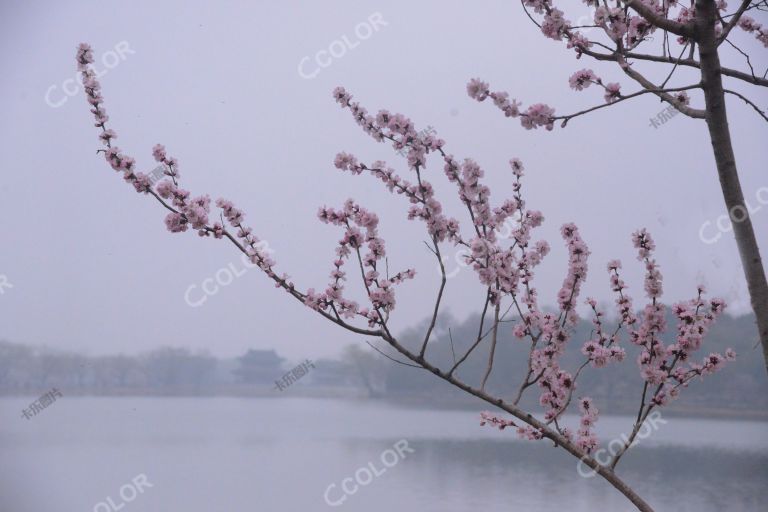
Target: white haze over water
211, 454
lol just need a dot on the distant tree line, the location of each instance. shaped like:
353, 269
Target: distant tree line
742, 388
28, 370
365, 372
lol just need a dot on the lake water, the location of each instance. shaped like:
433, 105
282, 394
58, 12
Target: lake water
270, 455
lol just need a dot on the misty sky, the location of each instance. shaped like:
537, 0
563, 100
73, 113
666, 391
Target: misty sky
94, 269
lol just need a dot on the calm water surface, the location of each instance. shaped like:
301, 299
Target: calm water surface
265, 455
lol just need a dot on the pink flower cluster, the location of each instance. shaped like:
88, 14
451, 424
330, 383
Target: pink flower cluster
667, 367
555, 383
170, 165
116, 159
400, 130
623, 302
582, 79
600, 349
185, 211
682, 98
506, 270
394, 127
585, 437
750, 25
488, 417
524, 431
624, 27
578, 253
554, 25
360, 225
380, 289
252, 244
190, 212
663, 368
617, 22
497, 267
612, 92
504, 267
550, 332
420, 195
540, 114
537, 115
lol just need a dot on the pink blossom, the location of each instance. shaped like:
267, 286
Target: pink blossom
554, 25
141, 183
158, 152
500, 423
612, 92
529, 433
538, 115
505, 267
748, 24
639, 27
84, 56
580, 80
681, 98
175, 222
617, 23
578, 42
477, 89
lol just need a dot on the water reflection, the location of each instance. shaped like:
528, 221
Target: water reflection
223, 454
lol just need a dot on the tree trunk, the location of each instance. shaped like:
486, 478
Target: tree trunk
719, 133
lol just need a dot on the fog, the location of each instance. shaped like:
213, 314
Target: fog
93, 268
162, 371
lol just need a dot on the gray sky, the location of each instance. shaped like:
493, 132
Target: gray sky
93, 268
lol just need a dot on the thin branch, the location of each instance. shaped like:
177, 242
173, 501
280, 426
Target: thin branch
657, 92
734, 21
648, 85
392, 358
689, 62
746, 56
680, 29
479, 334
677, 62
453, 352
546, 432
526, 381
748, 102
443, 280
492, 352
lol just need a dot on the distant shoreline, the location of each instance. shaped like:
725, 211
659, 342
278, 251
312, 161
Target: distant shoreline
402, 401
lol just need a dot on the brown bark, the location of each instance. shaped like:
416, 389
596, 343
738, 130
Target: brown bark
549, 433
717, 122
